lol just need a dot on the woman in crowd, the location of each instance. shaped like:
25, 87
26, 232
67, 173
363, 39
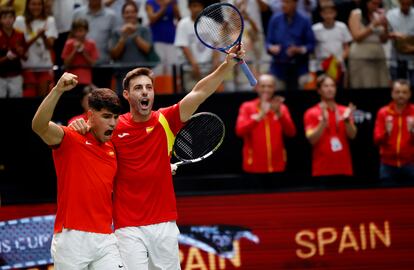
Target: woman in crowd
367, 62
40, 33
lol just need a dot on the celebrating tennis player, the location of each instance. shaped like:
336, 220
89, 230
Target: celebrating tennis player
145, 211
85, 168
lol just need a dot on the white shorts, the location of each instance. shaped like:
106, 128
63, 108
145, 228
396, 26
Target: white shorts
78, 250
150, 247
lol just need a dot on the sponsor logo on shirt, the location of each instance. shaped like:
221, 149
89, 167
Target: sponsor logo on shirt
123, 134
149, 129
88, 143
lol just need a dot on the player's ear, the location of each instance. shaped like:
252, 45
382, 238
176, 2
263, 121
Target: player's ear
125, 94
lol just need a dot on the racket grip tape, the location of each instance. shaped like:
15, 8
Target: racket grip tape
248, 73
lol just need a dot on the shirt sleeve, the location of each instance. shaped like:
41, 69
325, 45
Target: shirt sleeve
67, 49
20, 24
346, 35
286, 121
180, 40
380, 135
244, 122
172, 114
51, 31
310, 120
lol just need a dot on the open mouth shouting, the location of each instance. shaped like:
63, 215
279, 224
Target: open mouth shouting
109, 132
144, 104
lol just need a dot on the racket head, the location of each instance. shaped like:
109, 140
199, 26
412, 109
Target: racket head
201, 136
219, 26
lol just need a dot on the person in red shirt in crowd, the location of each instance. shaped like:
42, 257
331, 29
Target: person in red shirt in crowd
145, 210
262, 123
328, 128
394, 134
12, 49
79, 55
85, 168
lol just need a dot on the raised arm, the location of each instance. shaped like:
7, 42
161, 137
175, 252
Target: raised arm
42, 125
208, 85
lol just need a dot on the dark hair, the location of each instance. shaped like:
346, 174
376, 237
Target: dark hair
202, 2
321, 79
28, 17
79, 24
135, 73
129, 3
364, 12
402, 82
327, 5
104, 98
4, 10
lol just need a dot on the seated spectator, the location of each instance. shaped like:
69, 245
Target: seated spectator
401, 23
79, 55
12, 49
262, 123
40, 34
328, 127
162, 16
130, 44
394, 134
290, 40
332, 38
367, 62
101, 22
197, 61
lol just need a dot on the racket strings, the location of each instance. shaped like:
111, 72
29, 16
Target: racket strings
199, 138
223, 25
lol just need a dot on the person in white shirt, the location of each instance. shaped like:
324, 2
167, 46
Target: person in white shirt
332, 41
40, 33
196, 59
401, 26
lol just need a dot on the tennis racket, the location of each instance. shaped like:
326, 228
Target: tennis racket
220, 27
201, 136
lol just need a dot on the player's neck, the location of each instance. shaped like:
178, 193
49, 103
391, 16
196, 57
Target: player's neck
139, 118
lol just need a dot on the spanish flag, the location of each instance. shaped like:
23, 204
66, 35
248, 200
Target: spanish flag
332, 68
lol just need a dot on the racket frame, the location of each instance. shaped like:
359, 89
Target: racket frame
188, 161
245, 68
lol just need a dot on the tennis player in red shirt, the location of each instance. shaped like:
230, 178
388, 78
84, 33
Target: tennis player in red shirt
85, 168
394, 134
145, 210
328, 128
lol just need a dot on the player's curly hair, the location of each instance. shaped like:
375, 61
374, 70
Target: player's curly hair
104, 98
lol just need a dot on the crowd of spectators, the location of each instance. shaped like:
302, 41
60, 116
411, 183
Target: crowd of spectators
265, 122
360, 43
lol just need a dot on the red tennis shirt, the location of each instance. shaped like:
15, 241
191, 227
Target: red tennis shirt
85, 170
144, 192
331, 154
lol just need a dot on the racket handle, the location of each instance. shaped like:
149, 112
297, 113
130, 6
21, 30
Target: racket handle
248, 73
